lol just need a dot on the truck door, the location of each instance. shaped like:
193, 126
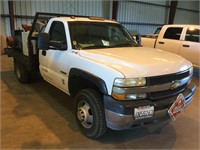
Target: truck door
190, 46
170, 40
53, 62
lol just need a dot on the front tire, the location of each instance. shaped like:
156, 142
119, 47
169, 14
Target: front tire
90, 113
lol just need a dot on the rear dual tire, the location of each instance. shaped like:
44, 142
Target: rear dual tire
21, 72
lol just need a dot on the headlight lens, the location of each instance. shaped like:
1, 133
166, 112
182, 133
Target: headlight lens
136, 96
190, 74
121, 86
130, 82
191, 71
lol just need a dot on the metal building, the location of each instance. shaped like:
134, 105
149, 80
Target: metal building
138, 16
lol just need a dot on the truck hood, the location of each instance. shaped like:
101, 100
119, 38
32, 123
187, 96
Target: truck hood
138, 61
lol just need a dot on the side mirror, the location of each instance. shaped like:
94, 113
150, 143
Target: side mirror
43, 41
138, 39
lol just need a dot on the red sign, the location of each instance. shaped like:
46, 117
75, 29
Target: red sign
177, 107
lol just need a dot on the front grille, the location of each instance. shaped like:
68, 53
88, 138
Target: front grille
167, 93
166, 79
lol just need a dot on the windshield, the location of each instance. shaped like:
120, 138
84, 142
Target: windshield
93, 35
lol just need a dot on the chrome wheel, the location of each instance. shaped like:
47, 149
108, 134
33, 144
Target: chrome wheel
89, 113
84, 114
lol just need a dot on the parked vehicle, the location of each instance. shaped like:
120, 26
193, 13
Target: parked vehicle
183, 40
115, 82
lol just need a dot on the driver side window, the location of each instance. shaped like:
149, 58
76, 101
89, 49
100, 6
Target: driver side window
57, 35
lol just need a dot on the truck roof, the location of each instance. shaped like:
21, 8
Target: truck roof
89, 19
182, 25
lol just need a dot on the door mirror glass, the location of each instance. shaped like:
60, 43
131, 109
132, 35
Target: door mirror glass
43, 41
138, 39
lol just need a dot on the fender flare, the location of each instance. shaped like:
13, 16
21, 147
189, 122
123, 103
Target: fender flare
98, 82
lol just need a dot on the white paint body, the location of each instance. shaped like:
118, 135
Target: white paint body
107, 63
191, 53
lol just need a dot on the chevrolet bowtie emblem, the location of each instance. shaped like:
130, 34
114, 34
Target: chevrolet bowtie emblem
174, 85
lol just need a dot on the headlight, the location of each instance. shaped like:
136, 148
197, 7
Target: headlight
130, 82
122, 86
190, 74
191, 71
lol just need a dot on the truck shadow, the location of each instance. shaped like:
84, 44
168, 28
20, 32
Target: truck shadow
55, 109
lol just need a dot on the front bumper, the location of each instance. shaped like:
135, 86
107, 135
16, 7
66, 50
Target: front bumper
119, 114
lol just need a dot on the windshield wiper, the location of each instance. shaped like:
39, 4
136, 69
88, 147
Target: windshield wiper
95, 47
126, 45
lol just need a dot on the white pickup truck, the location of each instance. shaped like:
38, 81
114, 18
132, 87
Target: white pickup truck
183, 40
115, 82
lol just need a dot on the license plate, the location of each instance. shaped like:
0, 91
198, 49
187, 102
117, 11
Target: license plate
177, 107
143, 112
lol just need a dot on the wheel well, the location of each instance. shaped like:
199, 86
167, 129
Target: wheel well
79, 79
77, 84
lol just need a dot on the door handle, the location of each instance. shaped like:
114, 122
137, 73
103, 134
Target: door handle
161, 42
44, 53
63, 72
186, 45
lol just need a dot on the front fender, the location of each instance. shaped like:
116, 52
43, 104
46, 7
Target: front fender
81, 74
